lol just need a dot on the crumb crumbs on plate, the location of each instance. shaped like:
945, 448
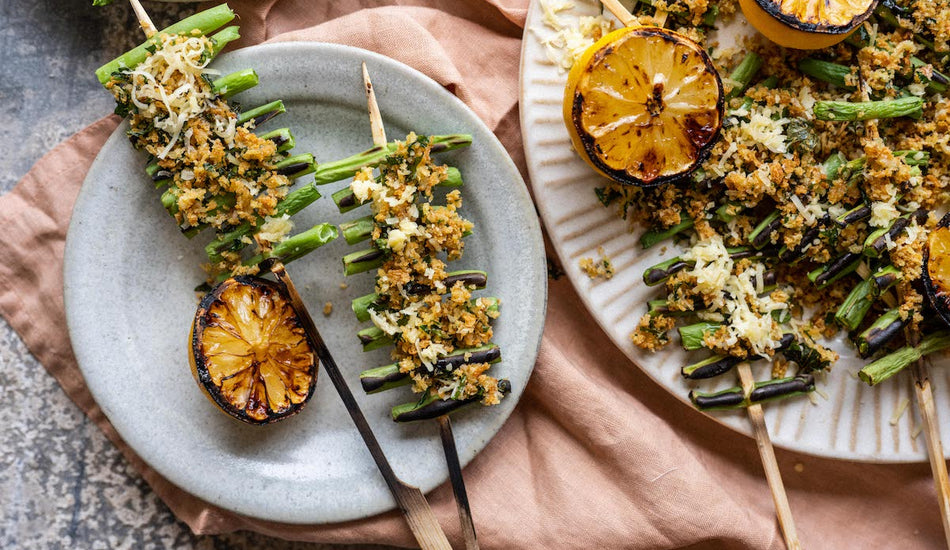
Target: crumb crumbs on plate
601, 267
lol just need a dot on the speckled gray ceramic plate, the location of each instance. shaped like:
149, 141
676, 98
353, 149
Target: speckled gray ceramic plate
129, 302
847, 419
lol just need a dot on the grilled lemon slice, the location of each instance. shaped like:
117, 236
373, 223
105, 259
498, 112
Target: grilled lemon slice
644, 105
250, 353
936, 272
807, 24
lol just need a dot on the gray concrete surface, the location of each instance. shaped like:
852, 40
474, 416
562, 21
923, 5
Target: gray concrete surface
62, 483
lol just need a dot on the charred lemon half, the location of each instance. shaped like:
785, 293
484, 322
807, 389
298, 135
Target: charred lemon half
250, 353
807, 24
936, 272
644, 105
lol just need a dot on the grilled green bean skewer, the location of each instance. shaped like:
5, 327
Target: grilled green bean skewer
880, 370
869, 110
769, 390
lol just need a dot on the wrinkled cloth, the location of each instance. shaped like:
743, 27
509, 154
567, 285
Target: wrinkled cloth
596, 455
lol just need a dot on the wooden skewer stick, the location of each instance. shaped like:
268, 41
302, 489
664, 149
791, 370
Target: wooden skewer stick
144, 19
375, 118
627, 18
938, 466
769, 464
445, 425
620, 12
931, 429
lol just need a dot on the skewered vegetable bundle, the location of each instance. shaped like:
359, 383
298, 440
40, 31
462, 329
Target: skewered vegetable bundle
441, 334
214, 170
247, 349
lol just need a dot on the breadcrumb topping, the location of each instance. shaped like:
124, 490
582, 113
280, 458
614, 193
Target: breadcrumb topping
416, 234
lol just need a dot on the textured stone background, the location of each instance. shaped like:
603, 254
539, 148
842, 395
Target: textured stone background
62, 484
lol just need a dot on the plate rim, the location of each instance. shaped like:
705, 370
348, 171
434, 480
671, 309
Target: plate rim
72, 259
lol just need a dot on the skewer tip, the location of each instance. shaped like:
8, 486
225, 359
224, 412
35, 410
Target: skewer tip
144, 21
375, 118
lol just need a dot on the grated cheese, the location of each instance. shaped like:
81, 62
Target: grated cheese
396, 240
363, 185
813, 211
918, 89
914, 231
883, 213
276, 229
735, 296
713, 266
384, 321
763, 130
719, 169
430, 354
807, 101
182, 62
759, 278
570, 40
889, 242
762, 174
800, 207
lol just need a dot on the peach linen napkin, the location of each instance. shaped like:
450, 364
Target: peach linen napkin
596, 455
